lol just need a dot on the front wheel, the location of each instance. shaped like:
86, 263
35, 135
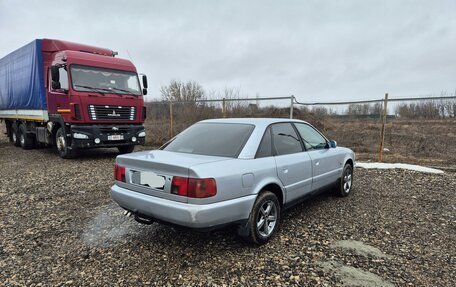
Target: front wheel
62, 145
264, 219
346, 181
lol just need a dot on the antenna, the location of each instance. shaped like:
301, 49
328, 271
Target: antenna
129, 56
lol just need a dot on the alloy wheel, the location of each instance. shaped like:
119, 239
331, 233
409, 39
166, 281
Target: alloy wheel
267, 218
347, 180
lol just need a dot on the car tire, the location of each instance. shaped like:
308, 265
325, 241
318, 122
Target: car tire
26, 141
346, 181
264, 219
62, 145
14, 135
126, 149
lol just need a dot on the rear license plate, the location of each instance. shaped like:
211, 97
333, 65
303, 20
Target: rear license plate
115, 137
151, 179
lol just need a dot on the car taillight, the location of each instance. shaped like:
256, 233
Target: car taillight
119, 173
194, 187
179, 185
201, 188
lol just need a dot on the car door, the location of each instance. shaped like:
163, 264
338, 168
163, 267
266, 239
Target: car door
293, 165
326, 165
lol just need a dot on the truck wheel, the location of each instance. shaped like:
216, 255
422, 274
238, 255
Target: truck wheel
62, 146
264, 219
14, 135
27, 141
126, 149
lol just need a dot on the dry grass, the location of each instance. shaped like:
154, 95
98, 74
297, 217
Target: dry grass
418, 141
429, 142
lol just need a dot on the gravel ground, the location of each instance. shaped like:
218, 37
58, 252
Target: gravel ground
59, 227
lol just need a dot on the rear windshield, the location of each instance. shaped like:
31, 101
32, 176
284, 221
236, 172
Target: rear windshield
215, 139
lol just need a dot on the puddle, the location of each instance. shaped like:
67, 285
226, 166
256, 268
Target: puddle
352, 276
360, 248
110, 226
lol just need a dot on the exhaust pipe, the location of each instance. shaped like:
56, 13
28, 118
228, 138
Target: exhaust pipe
141, 220
138, 219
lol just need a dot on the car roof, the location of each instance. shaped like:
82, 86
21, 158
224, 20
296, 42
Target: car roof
253, 121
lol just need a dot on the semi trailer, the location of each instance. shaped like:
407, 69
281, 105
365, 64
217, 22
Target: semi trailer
71, 96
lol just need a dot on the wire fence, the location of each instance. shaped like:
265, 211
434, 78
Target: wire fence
411, 128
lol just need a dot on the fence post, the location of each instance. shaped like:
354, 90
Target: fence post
171, 119
224, 107
291, 106
382, 134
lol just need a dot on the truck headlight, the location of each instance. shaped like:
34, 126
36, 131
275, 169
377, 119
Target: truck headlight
142, 134
80, 136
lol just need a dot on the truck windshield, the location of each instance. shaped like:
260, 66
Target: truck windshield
85, 78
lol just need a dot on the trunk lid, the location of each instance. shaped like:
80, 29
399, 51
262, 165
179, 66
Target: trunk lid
151, 172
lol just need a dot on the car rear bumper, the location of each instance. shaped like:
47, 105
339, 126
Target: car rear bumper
198, 216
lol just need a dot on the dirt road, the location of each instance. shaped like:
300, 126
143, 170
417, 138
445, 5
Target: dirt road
59, 227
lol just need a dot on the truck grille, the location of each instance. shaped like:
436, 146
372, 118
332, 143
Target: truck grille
98, 112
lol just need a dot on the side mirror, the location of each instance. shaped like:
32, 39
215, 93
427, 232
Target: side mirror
144, 92
55, 75
144, 80
55, 85
332, 144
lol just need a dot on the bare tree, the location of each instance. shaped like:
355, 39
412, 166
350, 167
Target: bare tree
423, 110
182, 92
320, 112
358, 109
376, 109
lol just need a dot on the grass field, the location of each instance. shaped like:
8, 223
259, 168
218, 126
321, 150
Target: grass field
431, 142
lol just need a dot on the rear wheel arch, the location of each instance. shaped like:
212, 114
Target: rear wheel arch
276, 189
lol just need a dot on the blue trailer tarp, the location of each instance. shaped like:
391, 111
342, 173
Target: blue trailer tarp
22, 79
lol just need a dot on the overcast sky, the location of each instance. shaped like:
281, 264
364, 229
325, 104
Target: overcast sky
315, 50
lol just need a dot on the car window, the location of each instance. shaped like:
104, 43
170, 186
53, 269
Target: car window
216, 139
285, 140
265, 148
311, 137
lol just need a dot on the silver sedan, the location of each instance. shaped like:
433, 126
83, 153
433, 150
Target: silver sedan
232, 171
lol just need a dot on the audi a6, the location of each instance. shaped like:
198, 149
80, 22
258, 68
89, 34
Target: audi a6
242, 171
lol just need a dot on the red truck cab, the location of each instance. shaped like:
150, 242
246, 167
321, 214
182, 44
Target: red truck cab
93, 99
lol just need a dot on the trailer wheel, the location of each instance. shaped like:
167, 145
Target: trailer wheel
62, 145
26, 141
14, 135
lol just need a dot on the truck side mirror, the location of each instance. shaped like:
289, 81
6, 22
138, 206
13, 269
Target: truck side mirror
55, 74
55, 85
144, 92
144, 80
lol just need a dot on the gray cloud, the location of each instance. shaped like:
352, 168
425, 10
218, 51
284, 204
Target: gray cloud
316, 50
